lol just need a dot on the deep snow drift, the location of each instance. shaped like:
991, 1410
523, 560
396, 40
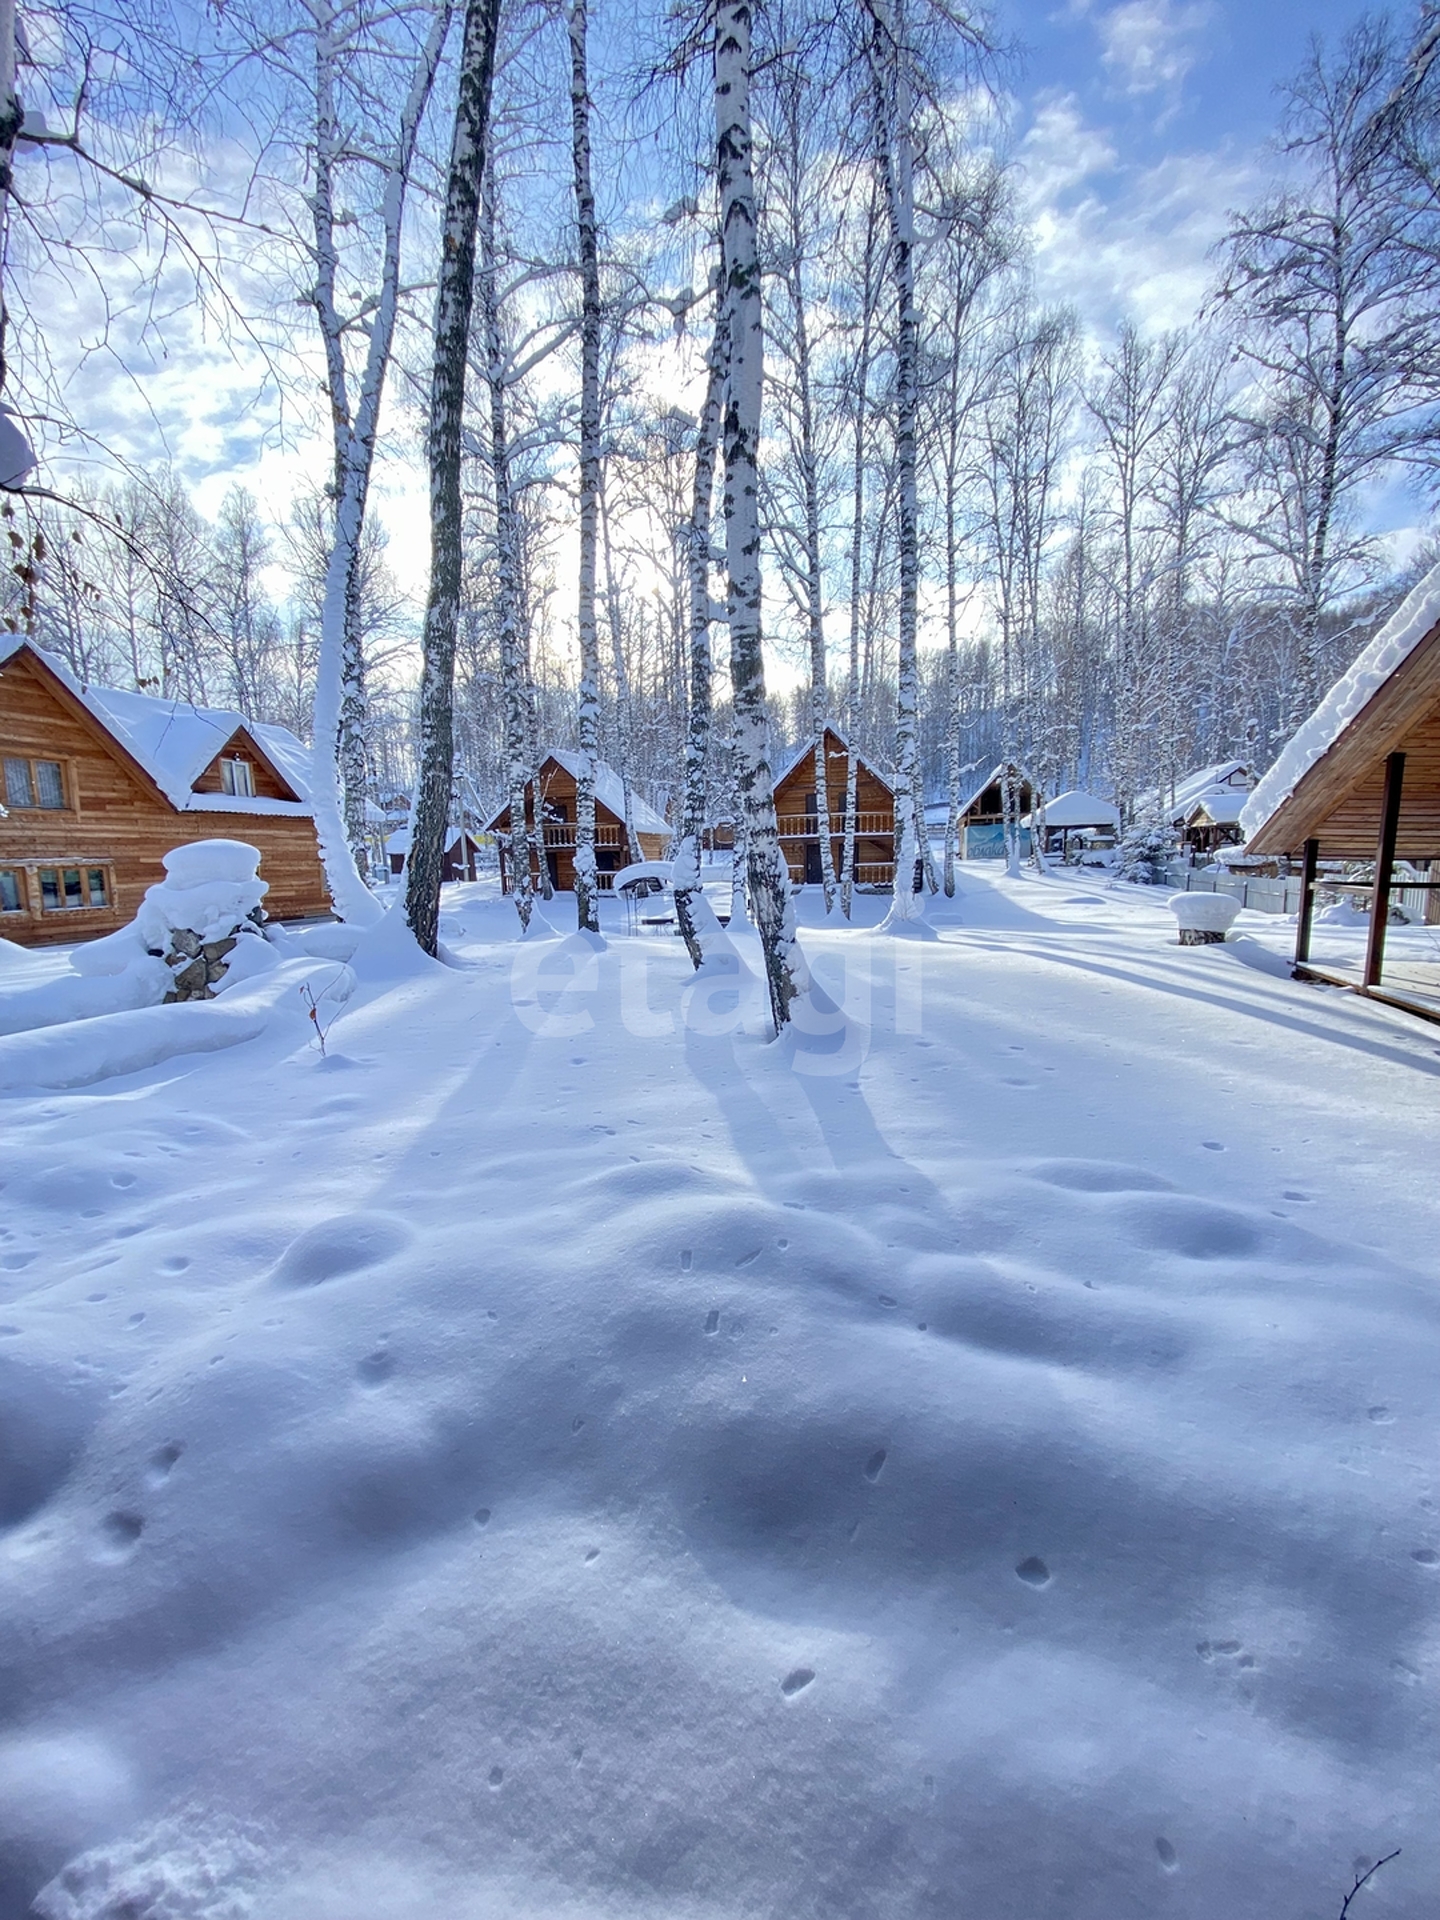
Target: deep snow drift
542, 1459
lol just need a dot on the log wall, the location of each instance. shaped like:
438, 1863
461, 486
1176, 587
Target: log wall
117, 820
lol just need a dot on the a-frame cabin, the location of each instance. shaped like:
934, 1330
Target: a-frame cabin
981, 819
797, 815
1360, 781
551, 818
100, 784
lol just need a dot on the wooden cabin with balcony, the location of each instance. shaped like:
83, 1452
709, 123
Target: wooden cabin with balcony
550, 820
1357, 789
797, 815
99, 785
981, 820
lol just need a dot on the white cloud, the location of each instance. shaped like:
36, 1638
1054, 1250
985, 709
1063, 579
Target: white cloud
1124, 243
1059, 151
1150, 45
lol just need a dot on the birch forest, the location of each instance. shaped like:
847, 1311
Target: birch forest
707, 344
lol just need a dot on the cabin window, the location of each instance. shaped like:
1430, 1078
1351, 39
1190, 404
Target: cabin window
12, 894
64, 889
237, 777
34, 783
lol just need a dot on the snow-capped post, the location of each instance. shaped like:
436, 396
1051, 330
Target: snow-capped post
1203, 918
339, 710
891, 56
586, 912
454, 299
770, 900
697, 736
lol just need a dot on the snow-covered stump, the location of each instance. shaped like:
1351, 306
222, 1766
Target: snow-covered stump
198, 916
1204, 919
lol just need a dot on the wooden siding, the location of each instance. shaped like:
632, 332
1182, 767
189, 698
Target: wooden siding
558, 801
118, 819
799, 825
269, 784
1337, 801
1350, 830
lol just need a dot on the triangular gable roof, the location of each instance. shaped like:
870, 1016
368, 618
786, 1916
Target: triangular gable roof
1191, 789
609, 791
68, 691
172, 742
1369, 708
997, 772
807, 747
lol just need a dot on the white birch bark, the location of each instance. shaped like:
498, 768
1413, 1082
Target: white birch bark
338, 728
770, 897
857, 540
453, 303
893, 56
697, 736
520, 755
586, 884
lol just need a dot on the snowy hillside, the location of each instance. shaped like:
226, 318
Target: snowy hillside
544, 1461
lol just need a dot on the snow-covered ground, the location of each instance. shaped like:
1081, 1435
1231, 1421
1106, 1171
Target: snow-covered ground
548, 1459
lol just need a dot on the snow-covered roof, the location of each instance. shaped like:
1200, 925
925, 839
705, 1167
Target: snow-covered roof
1077, 809
175, 742
806, 747
997, 772
1226, 775
1222, 805
609, 791
1416, 617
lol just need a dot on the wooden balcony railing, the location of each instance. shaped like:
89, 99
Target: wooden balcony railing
806, 826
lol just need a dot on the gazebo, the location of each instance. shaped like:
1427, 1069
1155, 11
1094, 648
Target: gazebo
1360, 784
1074, 813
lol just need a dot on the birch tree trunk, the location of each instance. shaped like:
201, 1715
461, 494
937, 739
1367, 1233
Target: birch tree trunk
586, 884
520, 755
896, 157
454, 299
697, 736
797, 239
740, 282
857, 539
340, 709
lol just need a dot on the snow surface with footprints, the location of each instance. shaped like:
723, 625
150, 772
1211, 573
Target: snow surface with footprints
601, 1471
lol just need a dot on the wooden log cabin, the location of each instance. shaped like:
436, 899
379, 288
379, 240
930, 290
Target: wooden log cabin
99, 785
797, 815
981, 821
1360, 785
550, 821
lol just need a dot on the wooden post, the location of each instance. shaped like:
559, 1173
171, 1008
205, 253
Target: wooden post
1307, 902
1384, 868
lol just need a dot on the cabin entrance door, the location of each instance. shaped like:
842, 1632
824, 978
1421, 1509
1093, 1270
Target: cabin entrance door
812, 842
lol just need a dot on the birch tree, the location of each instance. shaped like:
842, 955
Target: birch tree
586, 911
1333, 289
891, 55
454, 301
698, 728
340, 702
769, 877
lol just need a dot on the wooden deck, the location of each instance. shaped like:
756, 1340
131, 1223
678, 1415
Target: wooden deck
1411, 985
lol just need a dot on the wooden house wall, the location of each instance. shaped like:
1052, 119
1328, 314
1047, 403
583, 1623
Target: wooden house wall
1350, 829
874, 849
990, 805
116, 819
558, 802
267, 785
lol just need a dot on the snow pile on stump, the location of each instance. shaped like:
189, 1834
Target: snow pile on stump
1203, 918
